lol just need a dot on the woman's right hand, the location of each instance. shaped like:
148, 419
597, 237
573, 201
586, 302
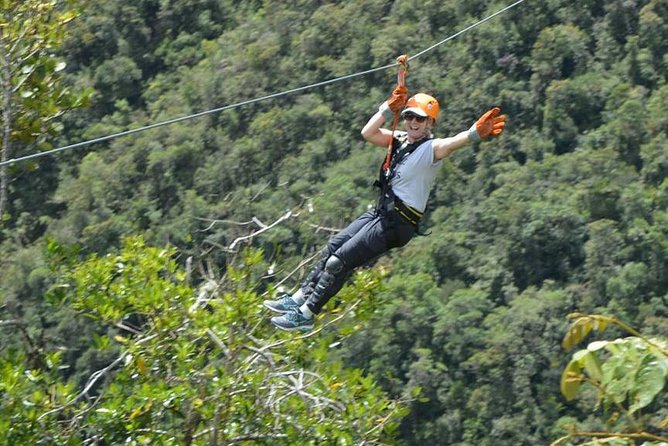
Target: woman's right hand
398, 99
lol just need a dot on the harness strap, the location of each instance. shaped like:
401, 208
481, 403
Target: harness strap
387, 200
409, 213
402, 70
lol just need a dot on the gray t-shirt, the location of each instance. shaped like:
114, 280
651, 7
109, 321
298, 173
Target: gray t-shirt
415, 176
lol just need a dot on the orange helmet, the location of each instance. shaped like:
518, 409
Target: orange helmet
422, 105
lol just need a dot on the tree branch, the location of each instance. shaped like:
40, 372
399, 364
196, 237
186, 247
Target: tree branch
285, 216
299, 386
214, 222
219, 342
10, 322
18, 40
324, 228
22, 328
94, 378
301, 264
257, 437
89, 385
637, 436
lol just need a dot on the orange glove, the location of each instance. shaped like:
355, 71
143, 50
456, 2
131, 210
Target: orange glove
398, 99
394, 103
488, 125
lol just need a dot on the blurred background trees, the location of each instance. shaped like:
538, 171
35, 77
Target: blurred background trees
565, 212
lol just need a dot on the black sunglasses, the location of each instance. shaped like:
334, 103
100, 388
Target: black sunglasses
418, 118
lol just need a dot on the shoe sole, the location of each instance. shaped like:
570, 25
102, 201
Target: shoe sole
307, 328
302, 328
277, 310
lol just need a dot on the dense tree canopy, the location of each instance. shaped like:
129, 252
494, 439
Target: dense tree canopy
566, 212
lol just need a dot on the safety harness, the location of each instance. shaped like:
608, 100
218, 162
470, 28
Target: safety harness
397, 150
387, 200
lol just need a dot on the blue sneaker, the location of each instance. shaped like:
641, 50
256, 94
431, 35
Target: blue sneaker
294, 320
283, 305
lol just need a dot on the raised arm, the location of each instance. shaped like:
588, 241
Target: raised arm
490, 124
373, 131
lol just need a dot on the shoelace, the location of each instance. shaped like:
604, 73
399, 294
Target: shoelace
296, 316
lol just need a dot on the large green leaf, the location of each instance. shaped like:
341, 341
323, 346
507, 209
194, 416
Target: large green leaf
618, 371
592, 365
649, 380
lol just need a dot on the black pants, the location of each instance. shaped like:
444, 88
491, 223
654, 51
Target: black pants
366, 238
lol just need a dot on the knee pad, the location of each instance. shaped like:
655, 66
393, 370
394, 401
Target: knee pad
325, 253
333, 268
334, 265
316, 271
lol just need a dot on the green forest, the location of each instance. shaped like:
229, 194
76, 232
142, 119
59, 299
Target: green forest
534, 311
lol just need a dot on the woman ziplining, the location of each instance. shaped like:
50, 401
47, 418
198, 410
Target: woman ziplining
405, 181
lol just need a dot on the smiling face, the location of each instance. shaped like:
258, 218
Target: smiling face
417, 127
420, 116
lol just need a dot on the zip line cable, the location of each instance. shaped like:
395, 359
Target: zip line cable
500, 11
250, 101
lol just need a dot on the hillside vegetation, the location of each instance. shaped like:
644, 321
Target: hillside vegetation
130, 298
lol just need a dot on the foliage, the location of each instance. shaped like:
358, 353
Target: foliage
189, 371
34, 95
626, 374
565, 213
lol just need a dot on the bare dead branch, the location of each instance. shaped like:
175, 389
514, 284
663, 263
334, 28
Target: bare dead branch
219, 342
126, 327
258, 354
635, 436
301, 264
216, 418
205, 293
92, 380
299, 387
258, 193
24, 79
215, 222
18, 40
386, 419
218, 245
319, 228
189, 269
10, 322
258, 222
285, 216
255, 437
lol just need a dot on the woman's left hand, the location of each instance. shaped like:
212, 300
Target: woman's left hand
488, 125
